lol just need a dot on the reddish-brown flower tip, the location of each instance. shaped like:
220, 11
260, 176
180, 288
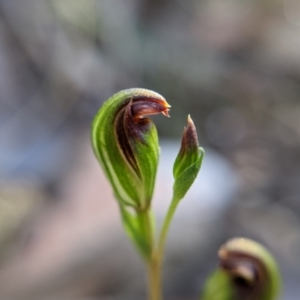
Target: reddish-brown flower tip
151, 106
189, 142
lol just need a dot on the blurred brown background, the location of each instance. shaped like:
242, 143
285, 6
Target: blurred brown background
234, 65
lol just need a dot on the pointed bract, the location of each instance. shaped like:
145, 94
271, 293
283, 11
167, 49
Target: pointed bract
188, 161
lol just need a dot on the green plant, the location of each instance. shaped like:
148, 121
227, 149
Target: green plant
246, 271
126, 145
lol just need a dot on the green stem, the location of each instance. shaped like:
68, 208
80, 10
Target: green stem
154, 275
144, 217
155, 265
165, 227
154, 281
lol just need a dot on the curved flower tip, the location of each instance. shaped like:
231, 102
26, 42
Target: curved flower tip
126, 143
148, 103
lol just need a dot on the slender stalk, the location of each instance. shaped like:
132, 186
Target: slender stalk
165, 227
154, 281
154, 275
147, 228
155, 264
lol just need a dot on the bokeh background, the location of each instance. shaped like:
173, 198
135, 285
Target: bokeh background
234, 65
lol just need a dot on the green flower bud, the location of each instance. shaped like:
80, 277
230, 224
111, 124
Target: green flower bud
126, 144
188, 161
247, 271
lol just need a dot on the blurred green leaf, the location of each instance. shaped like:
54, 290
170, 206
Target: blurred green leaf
139, 229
